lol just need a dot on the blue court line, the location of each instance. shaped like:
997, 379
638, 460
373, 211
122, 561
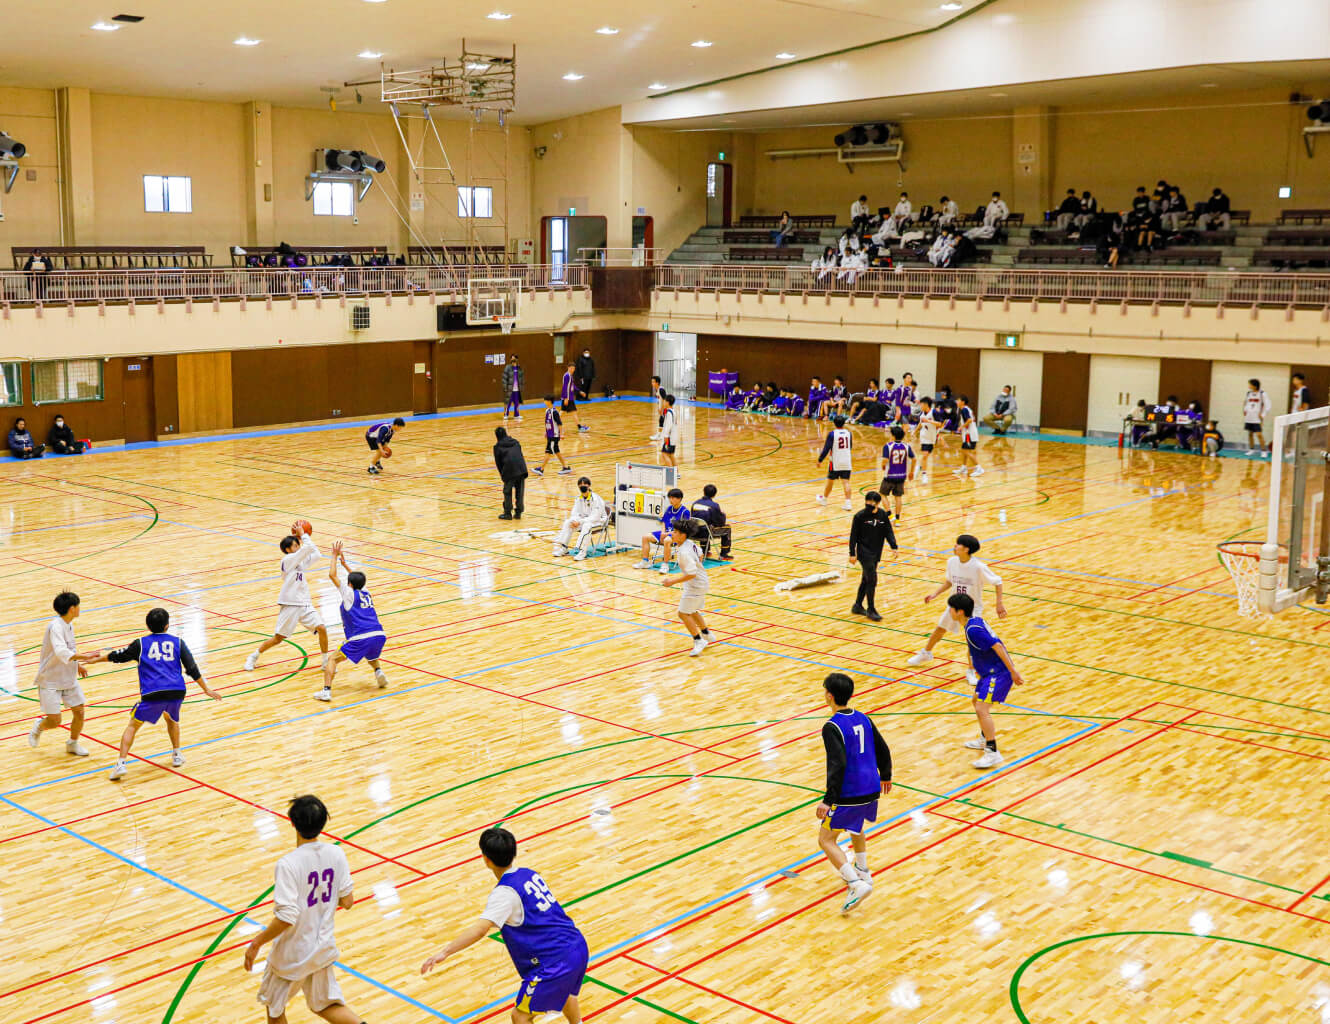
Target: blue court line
802, 862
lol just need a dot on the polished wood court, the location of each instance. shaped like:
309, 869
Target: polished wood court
1154, 850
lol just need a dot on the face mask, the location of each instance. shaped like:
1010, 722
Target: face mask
584, 489
870, 507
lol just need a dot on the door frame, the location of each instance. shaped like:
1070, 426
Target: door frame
727, 193
146, 374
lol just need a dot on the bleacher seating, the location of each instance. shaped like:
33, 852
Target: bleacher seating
807, 220
764, 238
115, 257
1175, 256
1298, 236
456, 256
908, 256
769, 254
1304, 216
1052, 236
1292, 257
315, 255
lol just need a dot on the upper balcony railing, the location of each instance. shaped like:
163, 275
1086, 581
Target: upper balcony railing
1184, 288
200, 284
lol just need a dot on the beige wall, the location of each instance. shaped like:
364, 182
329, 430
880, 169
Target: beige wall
32, 209
669, 179
920, 360
1117, 383
1024, 371
581, 168
1228, 388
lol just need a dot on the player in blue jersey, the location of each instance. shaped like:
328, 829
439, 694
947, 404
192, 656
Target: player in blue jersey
665, 535
858, 772
897, 467
364, 636
161, 657
377, 437
991, 671
547, 949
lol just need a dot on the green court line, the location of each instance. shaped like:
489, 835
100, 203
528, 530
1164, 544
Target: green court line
1196, 862
1014, 987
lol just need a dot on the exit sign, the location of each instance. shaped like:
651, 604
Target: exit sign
1008, 340
721, 155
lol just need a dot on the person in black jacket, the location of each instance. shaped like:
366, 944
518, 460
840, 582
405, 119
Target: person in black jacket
1216, 212
60, 439
585, 372
511, 464
869, 530
1069, 210
705, 508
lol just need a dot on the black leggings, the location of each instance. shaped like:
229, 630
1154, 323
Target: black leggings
868, 582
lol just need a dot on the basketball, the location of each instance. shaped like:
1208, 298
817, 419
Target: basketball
303, 526
387, 452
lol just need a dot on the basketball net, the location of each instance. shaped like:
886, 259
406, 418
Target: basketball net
506, 324
1242, 559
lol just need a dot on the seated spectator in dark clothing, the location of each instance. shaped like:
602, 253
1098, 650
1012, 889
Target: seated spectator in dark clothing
1175, 208
60, 439
1159, 196
21, 444
37, 267
964, 252
1216, 212
1069, 210
1142, 229
1106, 230
1089, 209
706, 509
869, 410
1140, 201
1212, 441
944, 408
783, 230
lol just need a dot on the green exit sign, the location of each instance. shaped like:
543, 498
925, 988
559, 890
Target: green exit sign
572, 211
721, 154
1008, 340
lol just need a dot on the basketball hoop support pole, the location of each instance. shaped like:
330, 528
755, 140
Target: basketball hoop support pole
1268, 584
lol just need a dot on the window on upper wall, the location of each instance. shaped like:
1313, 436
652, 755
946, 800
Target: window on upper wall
66, 380
475, 201
11, 383
334, 199
167, 194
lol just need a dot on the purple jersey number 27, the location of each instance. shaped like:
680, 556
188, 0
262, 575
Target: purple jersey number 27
314, 898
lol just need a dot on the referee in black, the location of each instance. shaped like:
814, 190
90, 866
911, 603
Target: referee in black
869, 530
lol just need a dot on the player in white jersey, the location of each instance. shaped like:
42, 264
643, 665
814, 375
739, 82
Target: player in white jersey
294, 606
311, 883
966, 575
58, 675
693, 576
968, 428
1255, 408
669, 433
838, 445
928, 434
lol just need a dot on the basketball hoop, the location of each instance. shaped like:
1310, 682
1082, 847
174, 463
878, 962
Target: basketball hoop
1242, 559
506, 323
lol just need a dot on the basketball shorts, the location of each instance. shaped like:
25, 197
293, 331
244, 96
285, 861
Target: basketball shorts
320, 988
52, 699
925, 447
690, 603
667, 448
151, 711
838, 474
993, 689
551, 446
968, 445
363, 648
569, 405
373, 443
850, 818
1252, 428
893, 488
553, 984
292, 616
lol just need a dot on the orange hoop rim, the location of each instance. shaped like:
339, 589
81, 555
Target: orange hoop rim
1248, 549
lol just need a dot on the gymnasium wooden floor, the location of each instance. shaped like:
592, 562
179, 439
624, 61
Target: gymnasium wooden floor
1154, 849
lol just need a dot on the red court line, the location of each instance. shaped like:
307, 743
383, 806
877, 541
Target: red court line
1203, 585
1253, 743
709, 991
1308, 894
88, 817
121, 586
1249, 721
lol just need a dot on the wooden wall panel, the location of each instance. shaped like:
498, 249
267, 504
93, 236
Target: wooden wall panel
1189, 379
1064, 402
861, 362
637, 360
364, 380
99, 421
203, 387
166, 396
279, 385
788, 362
1318, 380
464, 378
958, 369
605, 350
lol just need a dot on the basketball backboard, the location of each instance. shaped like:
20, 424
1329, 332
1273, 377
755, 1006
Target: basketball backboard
494, 301
1298, 518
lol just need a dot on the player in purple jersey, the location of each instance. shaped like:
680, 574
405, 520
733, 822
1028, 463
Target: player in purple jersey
568, 398
377, 437
553, 434
897, 467
363, 633
991, 672
858, 772
546, 947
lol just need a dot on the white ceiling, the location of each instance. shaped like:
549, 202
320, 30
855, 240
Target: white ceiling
185, 48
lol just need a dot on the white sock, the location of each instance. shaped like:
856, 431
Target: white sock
847, 872
861, 861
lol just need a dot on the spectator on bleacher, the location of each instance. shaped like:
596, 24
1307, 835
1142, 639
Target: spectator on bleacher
995, 215
1216, 212
1175, 207
849, 242
825, 264
1142, 229
60, 438
21, 445
37, 267
940, 252
947, 212
1002, 414
706, 509
904, 212
1141, 200
887, 230
783, 230
1107, 229
860, 214
1069, 210
1089, 209
1159, 196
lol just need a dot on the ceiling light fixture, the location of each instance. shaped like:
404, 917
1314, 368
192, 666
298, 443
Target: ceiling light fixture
1209, 85
475, 65
376, 1
572, 76
105, 26
785, 55
246, 41
999, 94
657, 85
702, 44
951, 5
369, 54
498, 16
607, 30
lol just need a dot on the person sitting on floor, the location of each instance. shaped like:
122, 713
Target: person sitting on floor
1212, 441
21, 445
1003, 413
60, 438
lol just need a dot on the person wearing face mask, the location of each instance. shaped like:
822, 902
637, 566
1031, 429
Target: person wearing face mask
587, 516
60, 439
869, 530
585, 371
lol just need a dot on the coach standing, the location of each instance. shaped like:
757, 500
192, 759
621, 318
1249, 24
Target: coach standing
585, 371
511, 464
869, 530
